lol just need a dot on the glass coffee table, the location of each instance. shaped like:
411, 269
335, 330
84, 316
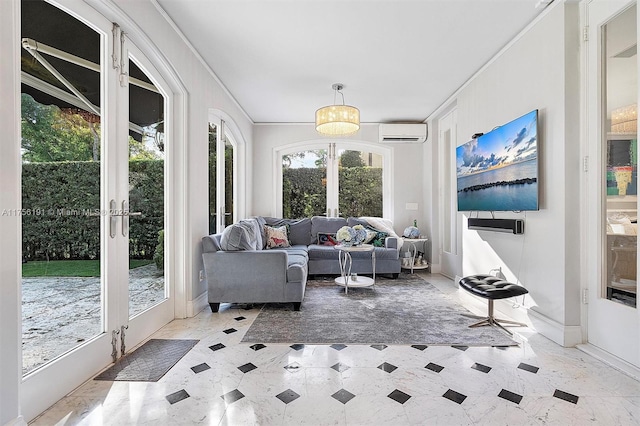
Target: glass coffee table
346, 278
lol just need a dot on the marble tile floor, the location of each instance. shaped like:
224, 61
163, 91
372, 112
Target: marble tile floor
222, 381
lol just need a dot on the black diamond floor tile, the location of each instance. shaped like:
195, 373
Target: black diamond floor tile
379, 347
434, 367
454, 396
229, 330
340, 367
343, 396
177, 396
510, 396
297, 346
217, 347
293, 367
481, 367
385, 366
232, 396
338, 346
566, 396
247, 367
460, 347
200, 367
420, 347
257, 346
399, 396
240, 318
530, 368
287, 396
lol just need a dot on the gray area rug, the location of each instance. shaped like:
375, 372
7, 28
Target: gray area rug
149, 362
406, 311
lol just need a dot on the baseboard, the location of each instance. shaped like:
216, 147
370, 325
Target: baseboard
18, 421
195, 306
567, 336
620, 365
564, 335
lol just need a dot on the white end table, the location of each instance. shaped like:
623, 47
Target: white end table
344, 257
414, 253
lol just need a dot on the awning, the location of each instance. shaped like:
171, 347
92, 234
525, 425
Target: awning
60, 66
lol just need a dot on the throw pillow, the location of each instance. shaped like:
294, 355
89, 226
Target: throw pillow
327, 239
378, 239
276, 237
371, 234
238, 237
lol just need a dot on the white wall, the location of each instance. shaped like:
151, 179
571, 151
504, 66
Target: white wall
540, 70
406, 168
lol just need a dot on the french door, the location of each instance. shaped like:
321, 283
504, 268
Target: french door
613, 316
334, 180
95, 144
223, 165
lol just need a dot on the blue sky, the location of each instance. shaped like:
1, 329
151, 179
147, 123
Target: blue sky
511, 143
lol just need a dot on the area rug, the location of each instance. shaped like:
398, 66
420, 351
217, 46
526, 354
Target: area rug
405, 311
149, 362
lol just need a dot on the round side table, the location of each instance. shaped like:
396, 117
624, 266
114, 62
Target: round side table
344, 257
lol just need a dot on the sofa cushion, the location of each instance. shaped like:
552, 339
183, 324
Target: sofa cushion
353, 221
276, 237
327, 225
299, 229
239, 236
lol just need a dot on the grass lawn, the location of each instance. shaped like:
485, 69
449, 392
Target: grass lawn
70, 268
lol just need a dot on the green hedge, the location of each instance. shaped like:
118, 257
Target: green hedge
304, 192
58, 200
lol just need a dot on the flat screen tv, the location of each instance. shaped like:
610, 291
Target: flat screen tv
498, 171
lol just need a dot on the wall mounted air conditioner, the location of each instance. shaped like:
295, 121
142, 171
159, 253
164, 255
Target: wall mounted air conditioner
402, 133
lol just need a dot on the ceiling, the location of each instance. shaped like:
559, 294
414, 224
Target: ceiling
399, 60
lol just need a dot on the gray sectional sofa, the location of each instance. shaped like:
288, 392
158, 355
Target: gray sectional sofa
240, 269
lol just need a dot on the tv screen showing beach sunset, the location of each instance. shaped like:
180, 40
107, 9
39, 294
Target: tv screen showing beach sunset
498, 171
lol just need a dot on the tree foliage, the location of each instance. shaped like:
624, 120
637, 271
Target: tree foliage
351, 159
61, 209
50, 135
304, 192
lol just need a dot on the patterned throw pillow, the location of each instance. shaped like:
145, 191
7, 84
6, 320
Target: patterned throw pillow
326, 239
378, 239
371, 234
276, 237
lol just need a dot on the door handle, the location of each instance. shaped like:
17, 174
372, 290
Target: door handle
125, 213
113, 217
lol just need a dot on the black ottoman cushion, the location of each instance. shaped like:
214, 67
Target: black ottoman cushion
490, 287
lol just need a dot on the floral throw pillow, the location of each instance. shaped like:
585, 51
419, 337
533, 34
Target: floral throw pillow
276, 237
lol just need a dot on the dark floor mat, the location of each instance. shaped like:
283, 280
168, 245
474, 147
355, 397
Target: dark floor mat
149, 362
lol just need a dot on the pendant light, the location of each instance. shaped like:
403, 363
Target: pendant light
337, 120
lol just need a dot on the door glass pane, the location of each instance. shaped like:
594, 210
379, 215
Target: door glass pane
304, 184
621, 157
146, 192
360, 183
61, 138
228, 182
213, 176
